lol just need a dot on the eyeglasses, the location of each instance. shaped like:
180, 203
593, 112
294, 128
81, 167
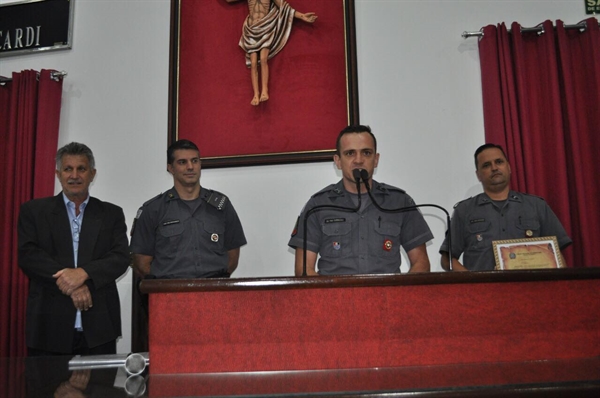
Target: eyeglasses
75, 230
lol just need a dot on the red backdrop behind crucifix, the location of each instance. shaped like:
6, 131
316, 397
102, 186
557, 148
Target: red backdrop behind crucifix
211, 90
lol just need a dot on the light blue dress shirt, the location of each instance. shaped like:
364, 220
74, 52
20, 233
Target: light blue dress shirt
76, 221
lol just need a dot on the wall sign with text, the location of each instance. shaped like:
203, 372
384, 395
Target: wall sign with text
592, 7
35, 25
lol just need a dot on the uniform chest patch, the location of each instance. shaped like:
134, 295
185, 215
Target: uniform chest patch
387, 245
476, 220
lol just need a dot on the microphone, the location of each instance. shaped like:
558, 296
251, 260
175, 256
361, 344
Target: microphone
364, 175
357, 174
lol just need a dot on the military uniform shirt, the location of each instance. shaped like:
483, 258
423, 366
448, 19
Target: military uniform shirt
478, 221
186, 243
366, 242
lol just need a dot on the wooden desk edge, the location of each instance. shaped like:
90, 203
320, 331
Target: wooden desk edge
320, 282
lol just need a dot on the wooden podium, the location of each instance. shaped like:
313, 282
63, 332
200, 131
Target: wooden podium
371, 321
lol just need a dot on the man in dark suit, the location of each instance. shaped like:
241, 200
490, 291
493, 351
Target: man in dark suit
72, 247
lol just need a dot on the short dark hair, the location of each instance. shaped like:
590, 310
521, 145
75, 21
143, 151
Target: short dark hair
354, 128
181, 144
75, 148
487, 146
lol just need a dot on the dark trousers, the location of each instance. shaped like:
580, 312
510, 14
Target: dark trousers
80, 347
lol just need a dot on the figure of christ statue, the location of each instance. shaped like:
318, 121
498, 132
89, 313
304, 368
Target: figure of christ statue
265, 32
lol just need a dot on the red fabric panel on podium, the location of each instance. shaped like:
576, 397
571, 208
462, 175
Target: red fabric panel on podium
375, 326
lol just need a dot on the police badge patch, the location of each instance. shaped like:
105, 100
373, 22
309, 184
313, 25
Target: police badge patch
387, 245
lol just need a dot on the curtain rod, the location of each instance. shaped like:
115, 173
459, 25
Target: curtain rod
582, 26
54, 75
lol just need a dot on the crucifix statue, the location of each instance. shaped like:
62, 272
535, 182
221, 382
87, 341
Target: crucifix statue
265, 32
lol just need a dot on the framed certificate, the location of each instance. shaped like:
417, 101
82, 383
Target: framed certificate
530, 253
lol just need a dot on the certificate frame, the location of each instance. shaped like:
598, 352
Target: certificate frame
527, 253
313, 85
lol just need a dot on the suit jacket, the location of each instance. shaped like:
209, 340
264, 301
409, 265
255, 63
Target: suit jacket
46, 246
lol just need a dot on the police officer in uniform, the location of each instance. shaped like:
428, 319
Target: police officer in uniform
188, 231
496, 214
367, 241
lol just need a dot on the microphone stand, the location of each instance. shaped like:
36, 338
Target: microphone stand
365, 177
356, 174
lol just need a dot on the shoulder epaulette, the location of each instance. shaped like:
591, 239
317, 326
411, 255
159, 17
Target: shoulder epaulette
152, 200
328, 188
217, 200
383, 187
533, 196
464, 200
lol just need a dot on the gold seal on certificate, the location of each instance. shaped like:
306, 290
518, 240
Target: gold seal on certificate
529, 253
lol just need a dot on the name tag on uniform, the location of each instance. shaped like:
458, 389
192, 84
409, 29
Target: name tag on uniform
332, 220
477, 220
170, 222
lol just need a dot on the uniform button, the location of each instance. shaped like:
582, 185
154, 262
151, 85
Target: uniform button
503, 230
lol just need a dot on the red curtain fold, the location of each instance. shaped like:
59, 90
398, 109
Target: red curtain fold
29, 120
580, 63
541, 102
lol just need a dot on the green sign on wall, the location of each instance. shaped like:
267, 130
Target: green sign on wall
592, 6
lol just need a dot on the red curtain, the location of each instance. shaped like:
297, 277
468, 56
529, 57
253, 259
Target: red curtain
541, 101
29, 120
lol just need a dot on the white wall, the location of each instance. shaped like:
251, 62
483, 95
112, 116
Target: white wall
419, 87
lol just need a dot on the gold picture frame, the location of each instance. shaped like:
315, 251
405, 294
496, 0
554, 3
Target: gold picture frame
527, 253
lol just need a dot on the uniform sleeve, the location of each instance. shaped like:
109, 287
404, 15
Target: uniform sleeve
234, 233
313, 228
415, 230
144, 230
551, 226
456, 231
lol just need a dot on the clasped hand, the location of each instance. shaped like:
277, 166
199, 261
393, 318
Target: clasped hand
82, 298
70, 281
